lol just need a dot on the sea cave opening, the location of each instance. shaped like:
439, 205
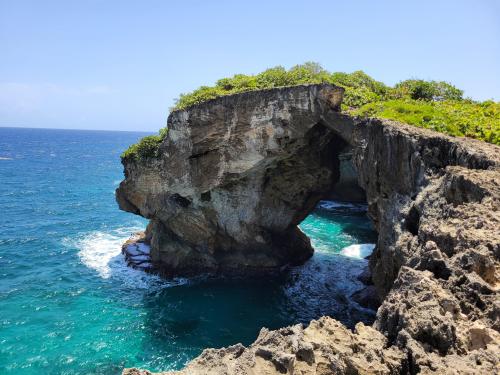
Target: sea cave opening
343, 236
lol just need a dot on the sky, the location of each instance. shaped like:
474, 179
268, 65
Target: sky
120, 65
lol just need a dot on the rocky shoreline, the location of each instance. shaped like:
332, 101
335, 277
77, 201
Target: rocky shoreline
137, 252
236, 175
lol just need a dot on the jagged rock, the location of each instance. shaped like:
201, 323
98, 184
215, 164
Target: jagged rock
347, 189
237, 174
137, 252
324, 347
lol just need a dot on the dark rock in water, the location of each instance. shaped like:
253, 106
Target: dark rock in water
366, 277
367, 297
234, 177
140, 258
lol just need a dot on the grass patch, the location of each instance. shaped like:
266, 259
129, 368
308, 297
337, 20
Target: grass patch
464, 118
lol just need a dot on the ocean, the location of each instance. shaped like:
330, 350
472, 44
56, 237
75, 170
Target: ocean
69, 304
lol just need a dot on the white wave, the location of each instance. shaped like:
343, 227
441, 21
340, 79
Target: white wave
101, 251
332, 205
98, 249
359, 251
5, 158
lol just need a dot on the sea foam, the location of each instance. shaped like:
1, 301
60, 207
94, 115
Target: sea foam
101, 251
358, 250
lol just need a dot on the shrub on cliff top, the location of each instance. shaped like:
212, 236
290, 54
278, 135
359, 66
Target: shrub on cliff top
418, 89
458, 118
434, 105
146, 148
360, 87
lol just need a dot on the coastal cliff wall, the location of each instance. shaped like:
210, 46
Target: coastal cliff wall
237, 174
233, 179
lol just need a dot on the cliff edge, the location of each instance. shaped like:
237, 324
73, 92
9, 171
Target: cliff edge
235, 176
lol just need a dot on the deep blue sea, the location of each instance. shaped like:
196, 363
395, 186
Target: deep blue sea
68, 303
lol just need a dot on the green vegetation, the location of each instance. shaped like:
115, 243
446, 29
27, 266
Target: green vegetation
360, 88
147, 147
458, 118
434, 105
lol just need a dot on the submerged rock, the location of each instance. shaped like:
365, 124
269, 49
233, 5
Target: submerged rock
235, 176
366, 276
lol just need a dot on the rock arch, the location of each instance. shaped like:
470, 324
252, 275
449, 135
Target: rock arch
235, 176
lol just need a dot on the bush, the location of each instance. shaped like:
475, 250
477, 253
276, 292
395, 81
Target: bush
359, 79
434, 105
419, 89
146, 148
274, 77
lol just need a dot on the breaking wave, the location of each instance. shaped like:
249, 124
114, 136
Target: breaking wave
359, 251
101, 252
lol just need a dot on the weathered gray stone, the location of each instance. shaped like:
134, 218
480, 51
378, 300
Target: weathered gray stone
237, 174
234, 178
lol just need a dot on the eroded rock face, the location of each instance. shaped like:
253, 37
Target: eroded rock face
434, 200
234, 178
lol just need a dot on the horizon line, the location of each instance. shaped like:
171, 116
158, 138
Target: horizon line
97, 130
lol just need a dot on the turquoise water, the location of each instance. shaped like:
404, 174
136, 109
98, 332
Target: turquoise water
68, 304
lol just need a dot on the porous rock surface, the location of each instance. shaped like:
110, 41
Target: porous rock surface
434, 200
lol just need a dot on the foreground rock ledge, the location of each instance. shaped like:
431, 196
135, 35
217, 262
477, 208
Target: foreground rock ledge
237, 174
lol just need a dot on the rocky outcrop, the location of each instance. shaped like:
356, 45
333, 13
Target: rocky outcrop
324, 347
234, 178
347, 188
137, 253
237, 174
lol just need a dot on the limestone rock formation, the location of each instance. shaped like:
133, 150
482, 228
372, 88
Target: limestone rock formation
237, 174
324, 347
234, 178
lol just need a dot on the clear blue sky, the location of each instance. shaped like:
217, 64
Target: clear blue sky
102, 64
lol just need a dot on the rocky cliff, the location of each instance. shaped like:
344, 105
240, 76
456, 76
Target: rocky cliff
234, 178
237, 174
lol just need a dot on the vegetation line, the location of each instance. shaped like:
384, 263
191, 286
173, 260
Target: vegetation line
433, 105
